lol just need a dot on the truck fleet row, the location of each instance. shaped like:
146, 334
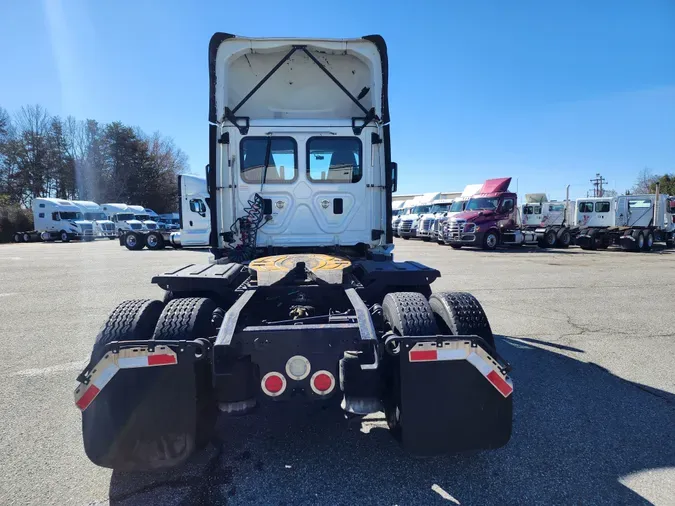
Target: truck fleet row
135, 226
488, 216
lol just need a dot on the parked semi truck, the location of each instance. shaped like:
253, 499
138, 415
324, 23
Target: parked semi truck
426, 221
458, 205
103, 227
303, 302
633, 222
410, 221
194, 218
56, 219
491, 219
123, 218
404, 209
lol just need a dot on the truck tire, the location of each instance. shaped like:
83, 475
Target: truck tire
564, 238
26, 237
426, 239
456, 246
134, 241
408, 314
462, 315
63, 235
639, 240
593, 240
649, 241
406, 238
18, 237
132, 320
154, 241
190, 319
491, 240
550, 238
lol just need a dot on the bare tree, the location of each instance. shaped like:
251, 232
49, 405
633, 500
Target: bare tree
644, 181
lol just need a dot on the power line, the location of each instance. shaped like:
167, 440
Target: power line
597, 185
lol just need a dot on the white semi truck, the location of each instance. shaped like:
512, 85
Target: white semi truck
194, 218
103, 227
633, 222
123, 218
439, 207
410, 221
458, 205
303, 302
401, 211
56, 219
142, 215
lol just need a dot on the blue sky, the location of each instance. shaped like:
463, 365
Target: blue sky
546, 92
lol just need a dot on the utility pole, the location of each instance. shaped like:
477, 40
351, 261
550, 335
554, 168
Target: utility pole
597, 185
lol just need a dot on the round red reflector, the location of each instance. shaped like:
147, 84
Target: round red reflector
323, 382
274, 384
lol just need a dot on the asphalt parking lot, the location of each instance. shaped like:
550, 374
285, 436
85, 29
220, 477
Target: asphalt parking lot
590, 336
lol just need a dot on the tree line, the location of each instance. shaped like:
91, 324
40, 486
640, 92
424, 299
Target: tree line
47, 156
646, 183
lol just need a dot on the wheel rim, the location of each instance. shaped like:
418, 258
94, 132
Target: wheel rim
131, 241
152, 241
650, 241
641, 241
551, 238
491, 240
64, 236
566, 238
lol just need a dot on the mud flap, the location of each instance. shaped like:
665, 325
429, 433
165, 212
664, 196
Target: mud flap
143, 418
448, 404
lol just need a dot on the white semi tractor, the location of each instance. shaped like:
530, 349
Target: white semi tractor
194, 218
103, 227
438, 208
123, 218
142, 215
303, 302
410, 221
633, 222
56, 219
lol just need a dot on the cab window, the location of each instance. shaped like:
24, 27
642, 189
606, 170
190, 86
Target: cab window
334, 159
56, 217
556, 208
602, 207
585, 207
281, 159
197, 206
530, 209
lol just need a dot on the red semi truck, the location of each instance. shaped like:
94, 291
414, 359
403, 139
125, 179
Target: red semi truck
491, 219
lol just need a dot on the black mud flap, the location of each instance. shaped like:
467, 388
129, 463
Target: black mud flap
144, 418
447, 404
583, 241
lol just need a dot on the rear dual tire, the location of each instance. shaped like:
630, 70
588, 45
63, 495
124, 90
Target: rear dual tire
154, 241
411, 314
135, 320
134, 241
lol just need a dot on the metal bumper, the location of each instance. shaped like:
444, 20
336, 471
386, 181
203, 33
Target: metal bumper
408, 233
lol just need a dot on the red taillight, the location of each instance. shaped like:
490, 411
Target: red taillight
322, 382
273, 384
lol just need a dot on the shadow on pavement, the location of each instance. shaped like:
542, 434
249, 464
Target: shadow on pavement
578, 429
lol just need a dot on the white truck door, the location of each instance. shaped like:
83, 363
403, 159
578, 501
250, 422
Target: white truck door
585, 213
318, 186
196, 220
